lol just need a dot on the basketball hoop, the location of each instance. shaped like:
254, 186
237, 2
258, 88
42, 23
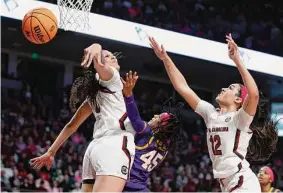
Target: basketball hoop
74, 14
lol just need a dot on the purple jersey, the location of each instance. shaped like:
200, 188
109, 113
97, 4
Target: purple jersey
147, 156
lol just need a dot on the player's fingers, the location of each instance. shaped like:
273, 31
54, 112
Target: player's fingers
130, 76
127, 77
36, 165
135, 74
151, 46
40, 165
228, 37
48, 165
85, 58
155, 44
150, 40
232, 45
135, 78
90, 59
34, 161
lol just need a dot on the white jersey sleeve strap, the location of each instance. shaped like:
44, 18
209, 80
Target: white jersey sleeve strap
205, 109
243, 120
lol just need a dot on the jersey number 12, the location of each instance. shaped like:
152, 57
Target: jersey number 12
151, 160
215, 144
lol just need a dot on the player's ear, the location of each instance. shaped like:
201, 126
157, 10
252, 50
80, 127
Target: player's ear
238, 100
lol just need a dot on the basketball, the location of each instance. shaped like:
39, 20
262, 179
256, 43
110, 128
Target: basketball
40, 26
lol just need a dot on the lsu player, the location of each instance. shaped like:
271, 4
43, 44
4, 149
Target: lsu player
266, 179
239, 129
153, 139
109, 156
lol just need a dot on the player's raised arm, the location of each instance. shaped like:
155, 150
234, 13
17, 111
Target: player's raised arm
79, 117
93, 54
131, 106
175, 75
251, 101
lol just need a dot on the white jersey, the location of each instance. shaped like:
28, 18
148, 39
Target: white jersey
228, 137
112, 117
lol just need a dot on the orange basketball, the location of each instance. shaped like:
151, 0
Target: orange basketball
39, 25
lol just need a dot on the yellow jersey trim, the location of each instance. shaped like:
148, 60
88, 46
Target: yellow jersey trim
146, 145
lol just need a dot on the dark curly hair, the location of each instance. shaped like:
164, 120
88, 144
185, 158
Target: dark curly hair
84, 88
169, 133
264, 140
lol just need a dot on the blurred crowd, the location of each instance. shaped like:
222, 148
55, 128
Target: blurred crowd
255, 26
29, 125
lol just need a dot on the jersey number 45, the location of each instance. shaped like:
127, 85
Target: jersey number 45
151, 160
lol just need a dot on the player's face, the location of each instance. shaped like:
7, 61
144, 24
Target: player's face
110, 59
229, 96
263, 176
154, 122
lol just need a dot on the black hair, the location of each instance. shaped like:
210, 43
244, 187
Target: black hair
264, 140
168, 131
84, 88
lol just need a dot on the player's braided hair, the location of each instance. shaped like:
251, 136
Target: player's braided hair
87, 87
168, 132
264, 139
84, 87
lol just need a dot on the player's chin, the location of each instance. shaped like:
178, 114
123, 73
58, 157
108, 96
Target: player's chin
116, 65
217, 99
260, 179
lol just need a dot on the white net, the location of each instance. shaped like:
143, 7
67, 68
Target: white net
74, 14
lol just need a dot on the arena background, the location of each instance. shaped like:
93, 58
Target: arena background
35, 83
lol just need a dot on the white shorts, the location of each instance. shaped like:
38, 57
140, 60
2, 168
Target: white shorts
243, 181
109, 155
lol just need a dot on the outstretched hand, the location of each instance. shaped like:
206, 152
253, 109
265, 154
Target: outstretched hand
46, 159
92, 53
159, 51
130, 83
233, 50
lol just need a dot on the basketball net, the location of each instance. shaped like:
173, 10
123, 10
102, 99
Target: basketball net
74, 14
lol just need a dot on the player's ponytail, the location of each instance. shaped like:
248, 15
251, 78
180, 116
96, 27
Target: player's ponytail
264, 140
84, 87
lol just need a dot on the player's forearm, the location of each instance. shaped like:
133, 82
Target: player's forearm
62, 138
176, 77
247, 79
133, 113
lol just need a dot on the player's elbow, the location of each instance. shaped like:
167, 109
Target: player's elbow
254, 96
